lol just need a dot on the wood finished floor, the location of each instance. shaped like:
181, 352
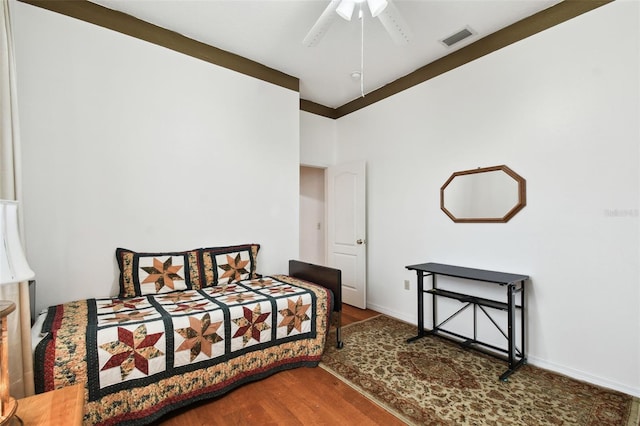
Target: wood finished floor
320, 399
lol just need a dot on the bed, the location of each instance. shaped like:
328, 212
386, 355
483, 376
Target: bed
186, 326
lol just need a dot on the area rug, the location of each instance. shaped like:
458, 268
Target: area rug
436, 382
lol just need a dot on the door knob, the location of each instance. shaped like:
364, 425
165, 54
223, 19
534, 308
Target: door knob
360, 241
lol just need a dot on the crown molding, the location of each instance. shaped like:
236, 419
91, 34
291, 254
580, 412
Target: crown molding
318, 109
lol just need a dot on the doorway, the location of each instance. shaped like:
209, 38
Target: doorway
333, 224
313, 247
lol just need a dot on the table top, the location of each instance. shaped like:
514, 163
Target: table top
501, 278
61, 407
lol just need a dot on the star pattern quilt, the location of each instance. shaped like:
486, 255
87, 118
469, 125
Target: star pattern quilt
141, 357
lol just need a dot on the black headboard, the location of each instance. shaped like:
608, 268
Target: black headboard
322, 275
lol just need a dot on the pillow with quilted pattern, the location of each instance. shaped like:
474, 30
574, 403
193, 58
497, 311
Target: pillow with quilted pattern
155, 273
225, 265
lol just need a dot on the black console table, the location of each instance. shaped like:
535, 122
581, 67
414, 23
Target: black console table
514, 284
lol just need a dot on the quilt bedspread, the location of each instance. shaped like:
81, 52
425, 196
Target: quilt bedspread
142, 357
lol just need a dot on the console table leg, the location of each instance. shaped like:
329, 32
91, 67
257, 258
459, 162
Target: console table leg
434, 304
522, 321
505, 376
511, 321
420, 290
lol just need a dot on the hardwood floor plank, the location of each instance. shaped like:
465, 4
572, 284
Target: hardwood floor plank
352, 314
302, 396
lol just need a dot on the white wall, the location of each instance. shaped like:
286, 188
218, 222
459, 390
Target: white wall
127, 144
561, 109
317, 140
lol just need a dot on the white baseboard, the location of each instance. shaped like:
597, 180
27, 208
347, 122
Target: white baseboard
584, 376
556, 368
402, 316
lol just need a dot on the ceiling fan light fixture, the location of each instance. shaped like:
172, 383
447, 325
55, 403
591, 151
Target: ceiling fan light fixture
376, 6
345, 9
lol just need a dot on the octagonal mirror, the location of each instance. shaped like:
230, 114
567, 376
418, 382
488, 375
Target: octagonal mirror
489, 194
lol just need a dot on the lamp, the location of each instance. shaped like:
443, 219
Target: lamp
345, 8
13, 269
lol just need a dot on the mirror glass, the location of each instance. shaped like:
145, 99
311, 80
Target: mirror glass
490, 194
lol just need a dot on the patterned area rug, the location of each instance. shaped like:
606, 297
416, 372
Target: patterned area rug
435, 382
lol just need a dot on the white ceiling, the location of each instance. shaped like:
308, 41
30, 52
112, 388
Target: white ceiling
271, 32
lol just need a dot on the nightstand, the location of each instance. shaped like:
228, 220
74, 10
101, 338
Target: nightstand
61, 407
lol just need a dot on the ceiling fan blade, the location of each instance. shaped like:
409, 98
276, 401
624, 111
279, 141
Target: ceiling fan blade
322, 25
395, 24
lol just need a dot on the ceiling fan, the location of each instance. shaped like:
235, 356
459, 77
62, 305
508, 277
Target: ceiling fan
384, 10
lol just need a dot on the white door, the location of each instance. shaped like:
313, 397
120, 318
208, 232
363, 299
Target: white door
346, 229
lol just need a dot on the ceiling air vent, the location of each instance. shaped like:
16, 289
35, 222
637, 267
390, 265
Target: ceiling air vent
457, 37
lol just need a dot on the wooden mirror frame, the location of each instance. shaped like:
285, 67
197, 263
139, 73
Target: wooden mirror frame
522, 195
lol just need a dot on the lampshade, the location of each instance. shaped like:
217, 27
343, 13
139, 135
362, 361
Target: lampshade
376, 6
345, 9
13, 264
